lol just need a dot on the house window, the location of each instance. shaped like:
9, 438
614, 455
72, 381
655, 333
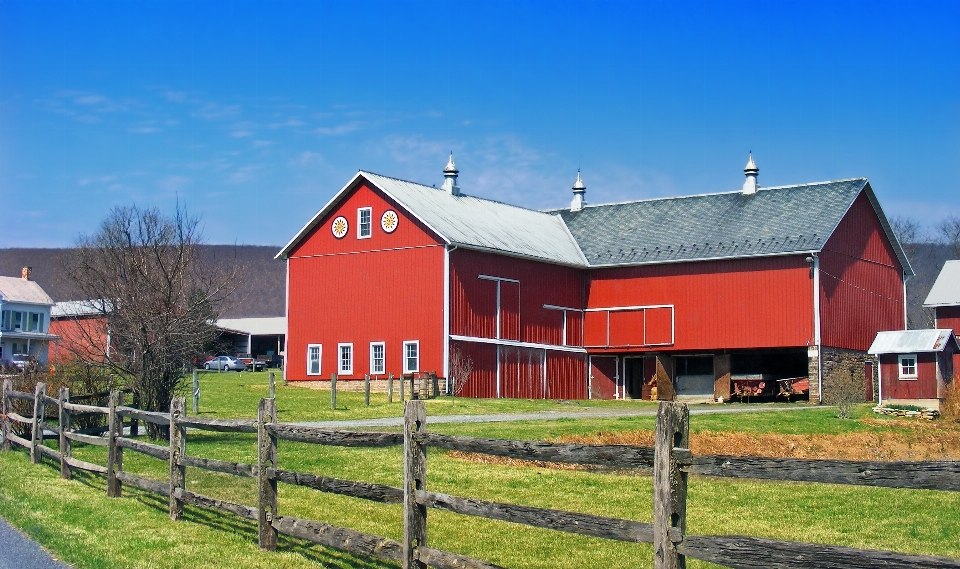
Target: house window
36, 322
18, 320
364, 222
377, 358
908, 366
346, 358
313, 359
411, 356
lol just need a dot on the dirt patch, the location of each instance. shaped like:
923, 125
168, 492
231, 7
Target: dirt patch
894, 440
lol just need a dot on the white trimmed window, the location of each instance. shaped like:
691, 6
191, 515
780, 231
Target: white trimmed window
378, 354
313, 358
364, 222
908, 366
411, 356
345, 359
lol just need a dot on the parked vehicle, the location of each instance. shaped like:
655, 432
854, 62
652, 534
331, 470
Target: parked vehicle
23, 361
256, 364
225, 363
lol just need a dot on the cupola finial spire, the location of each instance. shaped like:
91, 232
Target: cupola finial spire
579, 194
450, 173
750, 171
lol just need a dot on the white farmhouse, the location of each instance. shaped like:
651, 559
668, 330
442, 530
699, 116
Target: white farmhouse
24, 318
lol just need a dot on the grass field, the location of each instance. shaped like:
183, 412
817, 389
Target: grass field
81, 525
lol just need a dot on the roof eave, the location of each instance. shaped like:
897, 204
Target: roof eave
891, 236
724, 258
515, 255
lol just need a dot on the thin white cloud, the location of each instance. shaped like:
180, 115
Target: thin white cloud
143, 129
340, 129
173, 184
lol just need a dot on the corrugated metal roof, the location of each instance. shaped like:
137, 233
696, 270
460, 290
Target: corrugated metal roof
75, 308
946, 289
912, 341
255, 326
773, 221
15, 289
471, 221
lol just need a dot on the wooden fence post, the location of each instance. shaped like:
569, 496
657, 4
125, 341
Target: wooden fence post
134, 422
36, 432
196, 392
114, 452
669, 485
267, 487
64, 427
273, 386
178, 447
414, 479
402, 380
6, 408
366, 389
333, 391
390, 388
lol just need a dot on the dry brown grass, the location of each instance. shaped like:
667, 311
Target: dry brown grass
894, 440
950, 410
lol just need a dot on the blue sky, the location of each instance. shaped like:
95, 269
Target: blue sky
253, 114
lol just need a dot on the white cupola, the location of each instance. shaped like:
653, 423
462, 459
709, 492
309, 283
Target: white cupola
450, 173
579, 191
750, 171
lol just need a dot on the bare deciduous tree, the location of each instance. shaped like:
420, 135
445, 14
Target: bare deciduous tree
142, 277
461, 367
915, 243
948, 233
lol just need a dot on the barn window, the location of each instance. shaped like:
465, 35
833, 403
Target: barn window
346, 358
908, 366
313, 359
364, 222
411, 356
377, 357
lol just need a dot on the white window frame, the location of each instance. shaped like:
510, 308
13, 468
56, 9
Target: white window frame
915, 366
360, 234
319, 348
406, 368
383, 354
340, 367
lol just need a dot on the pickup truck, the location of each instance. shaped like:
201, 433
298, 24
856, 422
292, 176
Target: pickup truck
253, 364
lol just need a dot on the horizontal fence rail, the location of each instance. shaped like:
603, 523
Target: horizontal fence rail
670, 462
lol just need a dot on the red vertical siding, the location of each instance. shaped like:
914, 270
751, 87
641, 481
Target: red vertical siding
510, 310
83, 337
603, 372
540, 283
924, 387
741, 303
949, 317
521, 372
861, 283
566, 375
483, 379
386, 288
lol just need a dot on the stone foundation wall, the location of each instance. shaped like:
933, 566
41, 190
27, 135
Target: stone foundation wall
843, 374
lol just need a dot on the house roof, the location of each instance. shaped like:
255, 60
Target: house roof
912, 341
470, 221
946, 289
773, 221
77, 308
15, 289
255, 326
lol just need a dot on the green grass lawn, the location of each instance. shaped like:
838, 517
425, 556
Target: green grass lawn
76, 520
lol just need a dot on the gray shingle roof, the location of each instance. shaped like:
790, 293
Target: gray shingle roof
774, 221
14, 289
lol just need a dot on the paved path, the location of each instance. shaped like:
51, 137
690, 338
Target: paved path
549, 416
18, 551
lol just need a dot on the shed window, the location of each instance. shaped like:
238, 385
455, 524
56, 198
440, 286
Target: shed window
908, 366
313, 359
411, 356
377, 355
346, 358
364, 222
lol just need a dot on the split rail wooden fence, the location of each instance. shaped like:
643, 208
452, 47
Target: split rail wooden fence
670, 460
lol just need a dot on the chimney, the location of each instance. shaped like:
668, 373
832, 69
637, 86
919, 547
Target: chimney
450, 178
750, 171
579, 191
25, 273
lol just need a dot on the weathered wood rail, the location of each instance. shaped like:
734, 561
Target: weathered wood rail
670, 462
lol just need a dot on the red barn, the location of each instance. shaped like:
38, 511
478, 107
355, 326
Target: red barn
701, 294
944, 299
915, 365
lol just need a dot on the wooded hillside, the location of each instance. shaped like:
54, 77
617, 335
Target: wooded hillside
261, 291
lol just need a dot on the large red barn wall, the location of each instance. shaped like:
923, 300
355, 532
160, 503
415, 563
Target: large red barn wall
743, 303
473, 300
83, 337
386, 288
949, 317
861, 282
